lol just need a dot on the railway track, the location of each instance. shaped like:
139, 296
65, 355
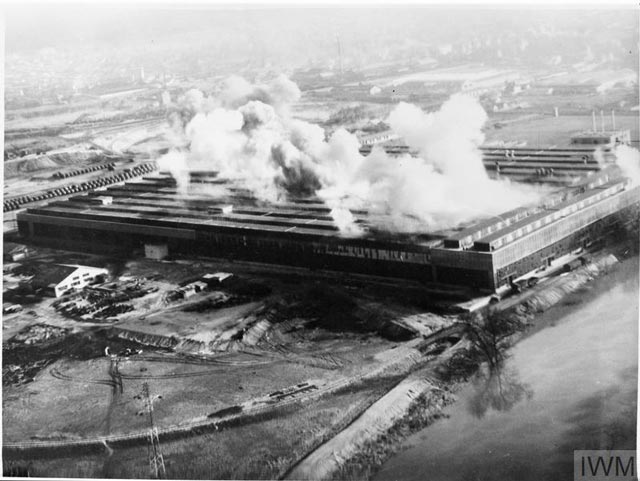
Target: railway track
263, 405
116, 377
55, 372
207, 361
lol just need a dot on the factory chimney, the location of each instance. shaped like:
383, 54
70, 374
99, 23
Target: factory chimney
593, 118
613, 120
555, 111
602, 119
339, 53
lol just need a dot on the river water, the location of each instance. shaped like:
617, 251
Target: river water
568, 386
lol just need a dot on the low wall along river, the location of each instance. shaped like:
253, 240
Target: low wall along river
569, 386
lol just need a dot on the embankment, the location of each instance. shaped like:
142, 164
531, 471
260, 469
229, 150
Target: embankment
566, 284
327, 461
146, 339
416, 402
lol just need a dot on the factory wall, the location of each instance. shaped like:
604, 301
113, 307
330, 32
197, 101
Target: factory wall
466, 267
583, 237
482, 270
332, 253
562, 228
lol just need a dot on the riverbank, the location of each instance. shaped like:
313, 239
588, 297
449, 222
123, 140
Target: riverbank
426, 408
364, 387
562, 294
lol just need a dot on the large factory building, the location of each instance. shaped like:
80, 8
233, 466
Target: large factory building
485, 255
585, 153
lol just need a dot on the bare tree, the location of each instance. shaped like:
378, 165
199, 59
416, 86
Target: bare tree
490, 334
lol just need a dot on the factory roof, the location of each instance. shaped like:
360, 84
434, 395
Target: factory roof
493, 221
155, 204
53, 274
139, 222
268, 218
126, 216
548, 213
598, 133
569, 150
49, 274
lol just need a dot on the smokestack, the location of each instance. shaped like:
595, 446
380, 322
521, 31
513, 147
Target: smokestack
339, 53
593, 117
602, 119
555, 111
613, 120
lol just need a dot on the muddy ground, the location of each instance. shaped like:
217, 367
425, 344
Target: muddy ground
281, 332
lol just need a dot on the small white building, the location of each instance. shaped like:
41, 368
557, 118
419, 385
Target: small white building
221, 209
216, 278
156, 251
105, 199
12, 252
59, 279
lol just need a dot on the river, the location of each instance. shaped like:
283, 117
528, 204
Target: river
570, 385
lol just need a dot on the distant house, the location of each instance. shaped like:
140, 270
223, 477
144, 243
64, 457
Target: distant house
58, 279
12, 252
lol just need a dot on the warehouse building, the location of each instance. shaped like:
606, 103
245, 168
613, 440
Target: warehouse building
60, 279
151, 216
587, 152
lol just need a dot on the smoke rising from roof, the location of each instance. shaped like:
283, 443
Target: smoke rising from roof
628, 159
245, 133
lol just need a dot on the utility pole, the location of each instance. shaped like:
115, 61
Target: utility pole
156, 461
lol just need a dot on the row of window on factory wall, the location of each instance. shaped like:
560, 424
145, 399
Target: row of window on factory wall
543, 256
543, 238
378, 254
571, 209
589, 214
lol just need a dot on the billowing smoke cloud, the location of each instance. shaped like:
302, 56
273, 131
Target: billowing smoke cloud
346, 222
248, 144
446, 185
449, 138
246, 134
235, 92
628, 159
279, 93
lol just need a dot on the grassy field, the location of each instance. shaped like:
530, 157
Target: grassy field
261, 449
79, 408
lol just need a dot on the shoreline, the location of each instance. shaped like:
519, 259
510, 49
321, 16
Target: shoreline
376, 430
428, 406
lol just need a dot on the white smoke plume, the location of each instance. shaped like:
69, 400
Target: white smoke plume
280, 93
246, 134
628, 159
443, 187
345, 221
